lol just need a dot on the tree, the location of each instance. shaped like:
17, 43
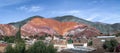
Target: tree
9, 39
20, 47
18, 34
9, 49
70, 41
17, 37
40, 47
20, 43
110, 45
90, 43
51, 49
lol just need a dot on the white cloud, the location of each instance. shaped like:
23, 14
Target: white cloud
68, 12
31, 8
23, 8
10, 2
85, 14
93, 16
73, 12
96, 1
110, 18
89, 14
35, 9
102, 20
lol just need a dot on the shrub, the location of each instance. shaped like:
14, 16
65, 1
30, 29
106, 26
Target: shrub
20, 47
51, 49
110, 45
40, 47
41, 38
90, 43
70, 41
9, 49
8, 39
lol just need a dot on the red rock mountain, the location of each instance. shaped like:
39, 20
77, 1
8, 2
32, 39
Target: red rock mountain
7, 30
40, 26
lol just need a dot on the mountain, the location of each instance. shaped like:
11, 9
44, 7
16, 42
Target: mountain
116, 26
21, 23
72, 19
7, 30
38, 25
103, 27
62, 25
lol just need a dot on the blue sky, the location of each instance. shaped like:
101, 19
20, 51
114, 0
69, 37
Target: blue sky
107, 11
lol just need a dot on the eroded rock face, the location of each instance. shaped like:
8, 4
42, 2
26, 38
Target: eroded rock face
7, 30
40, 26
86, 31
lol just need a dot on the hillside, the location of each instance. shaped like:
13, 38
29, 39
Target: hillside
38, 25
103, 27
60, 24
